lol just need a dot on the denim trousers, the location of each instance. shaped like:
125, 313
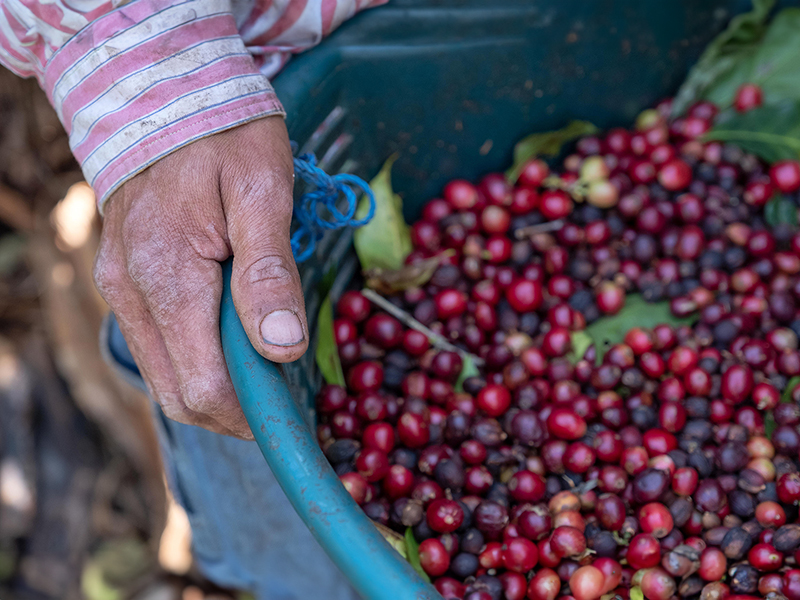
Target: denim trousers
245, 533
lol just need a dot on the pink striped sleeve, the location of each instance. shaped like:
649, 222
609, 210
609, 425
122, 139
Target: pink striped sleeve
148, 78
133, 80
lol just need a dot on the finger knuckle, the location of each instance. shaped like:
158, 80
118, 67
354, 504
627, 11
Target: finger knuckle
206, 397
108, 277
155, 277
269, 269
142, 269
175, 410
257, 178
200, 404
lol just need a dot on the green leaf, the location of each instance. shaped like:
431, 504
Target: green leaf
786, 397
385, 241
122, 560
412, 554
326, 283
780, 210
619, 539
548, 143
771, 132
95, 587
772, 64
114, 567
607, 331
636, 593
581, 341
729, 52
395, 540
468, 369
769, 424
749, 51
327, 352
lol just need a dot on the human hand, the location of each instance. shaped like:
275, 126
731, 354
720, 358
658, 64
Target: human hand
165, 233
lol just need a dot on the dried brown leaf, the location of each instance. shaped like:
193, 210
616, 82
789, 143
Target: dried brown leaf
390, 281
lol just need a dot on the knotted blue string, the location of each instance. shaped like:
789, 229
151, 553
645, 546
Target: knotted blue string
318, 209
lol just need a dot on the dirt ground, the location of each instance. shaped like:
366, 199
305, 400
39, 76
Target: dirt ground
83, 508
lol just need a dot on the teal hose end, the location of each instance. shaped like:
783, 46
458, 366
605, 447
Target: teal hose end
375, 569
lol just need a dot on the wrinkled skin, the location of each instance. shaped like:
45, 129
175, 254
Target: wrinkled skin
166, 231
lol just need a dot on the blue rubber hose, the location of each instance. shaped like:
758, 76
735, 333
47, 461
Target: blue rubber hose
375, 569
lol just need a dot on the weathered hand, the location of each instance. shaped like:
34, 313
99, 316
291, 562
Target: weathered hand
166, 232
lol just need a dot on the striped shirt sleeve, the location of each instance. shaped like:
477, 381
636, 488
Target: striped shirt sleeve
139, 81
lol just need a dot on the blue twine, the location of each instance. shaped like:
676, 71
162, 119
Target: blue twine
326, 191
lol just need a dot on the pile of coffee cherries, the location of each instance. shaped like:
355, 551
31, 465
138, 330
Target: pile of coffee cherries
664, 465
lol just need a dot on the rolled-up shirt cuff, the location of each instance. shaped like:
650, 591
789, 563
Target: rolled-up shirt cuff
148, 78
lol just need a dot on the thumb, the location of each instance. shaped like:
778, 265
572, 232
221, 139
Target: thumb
265, 282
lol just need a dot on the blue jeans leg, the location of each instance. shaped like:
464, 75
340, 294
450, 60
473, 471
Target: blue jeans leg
245, 534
